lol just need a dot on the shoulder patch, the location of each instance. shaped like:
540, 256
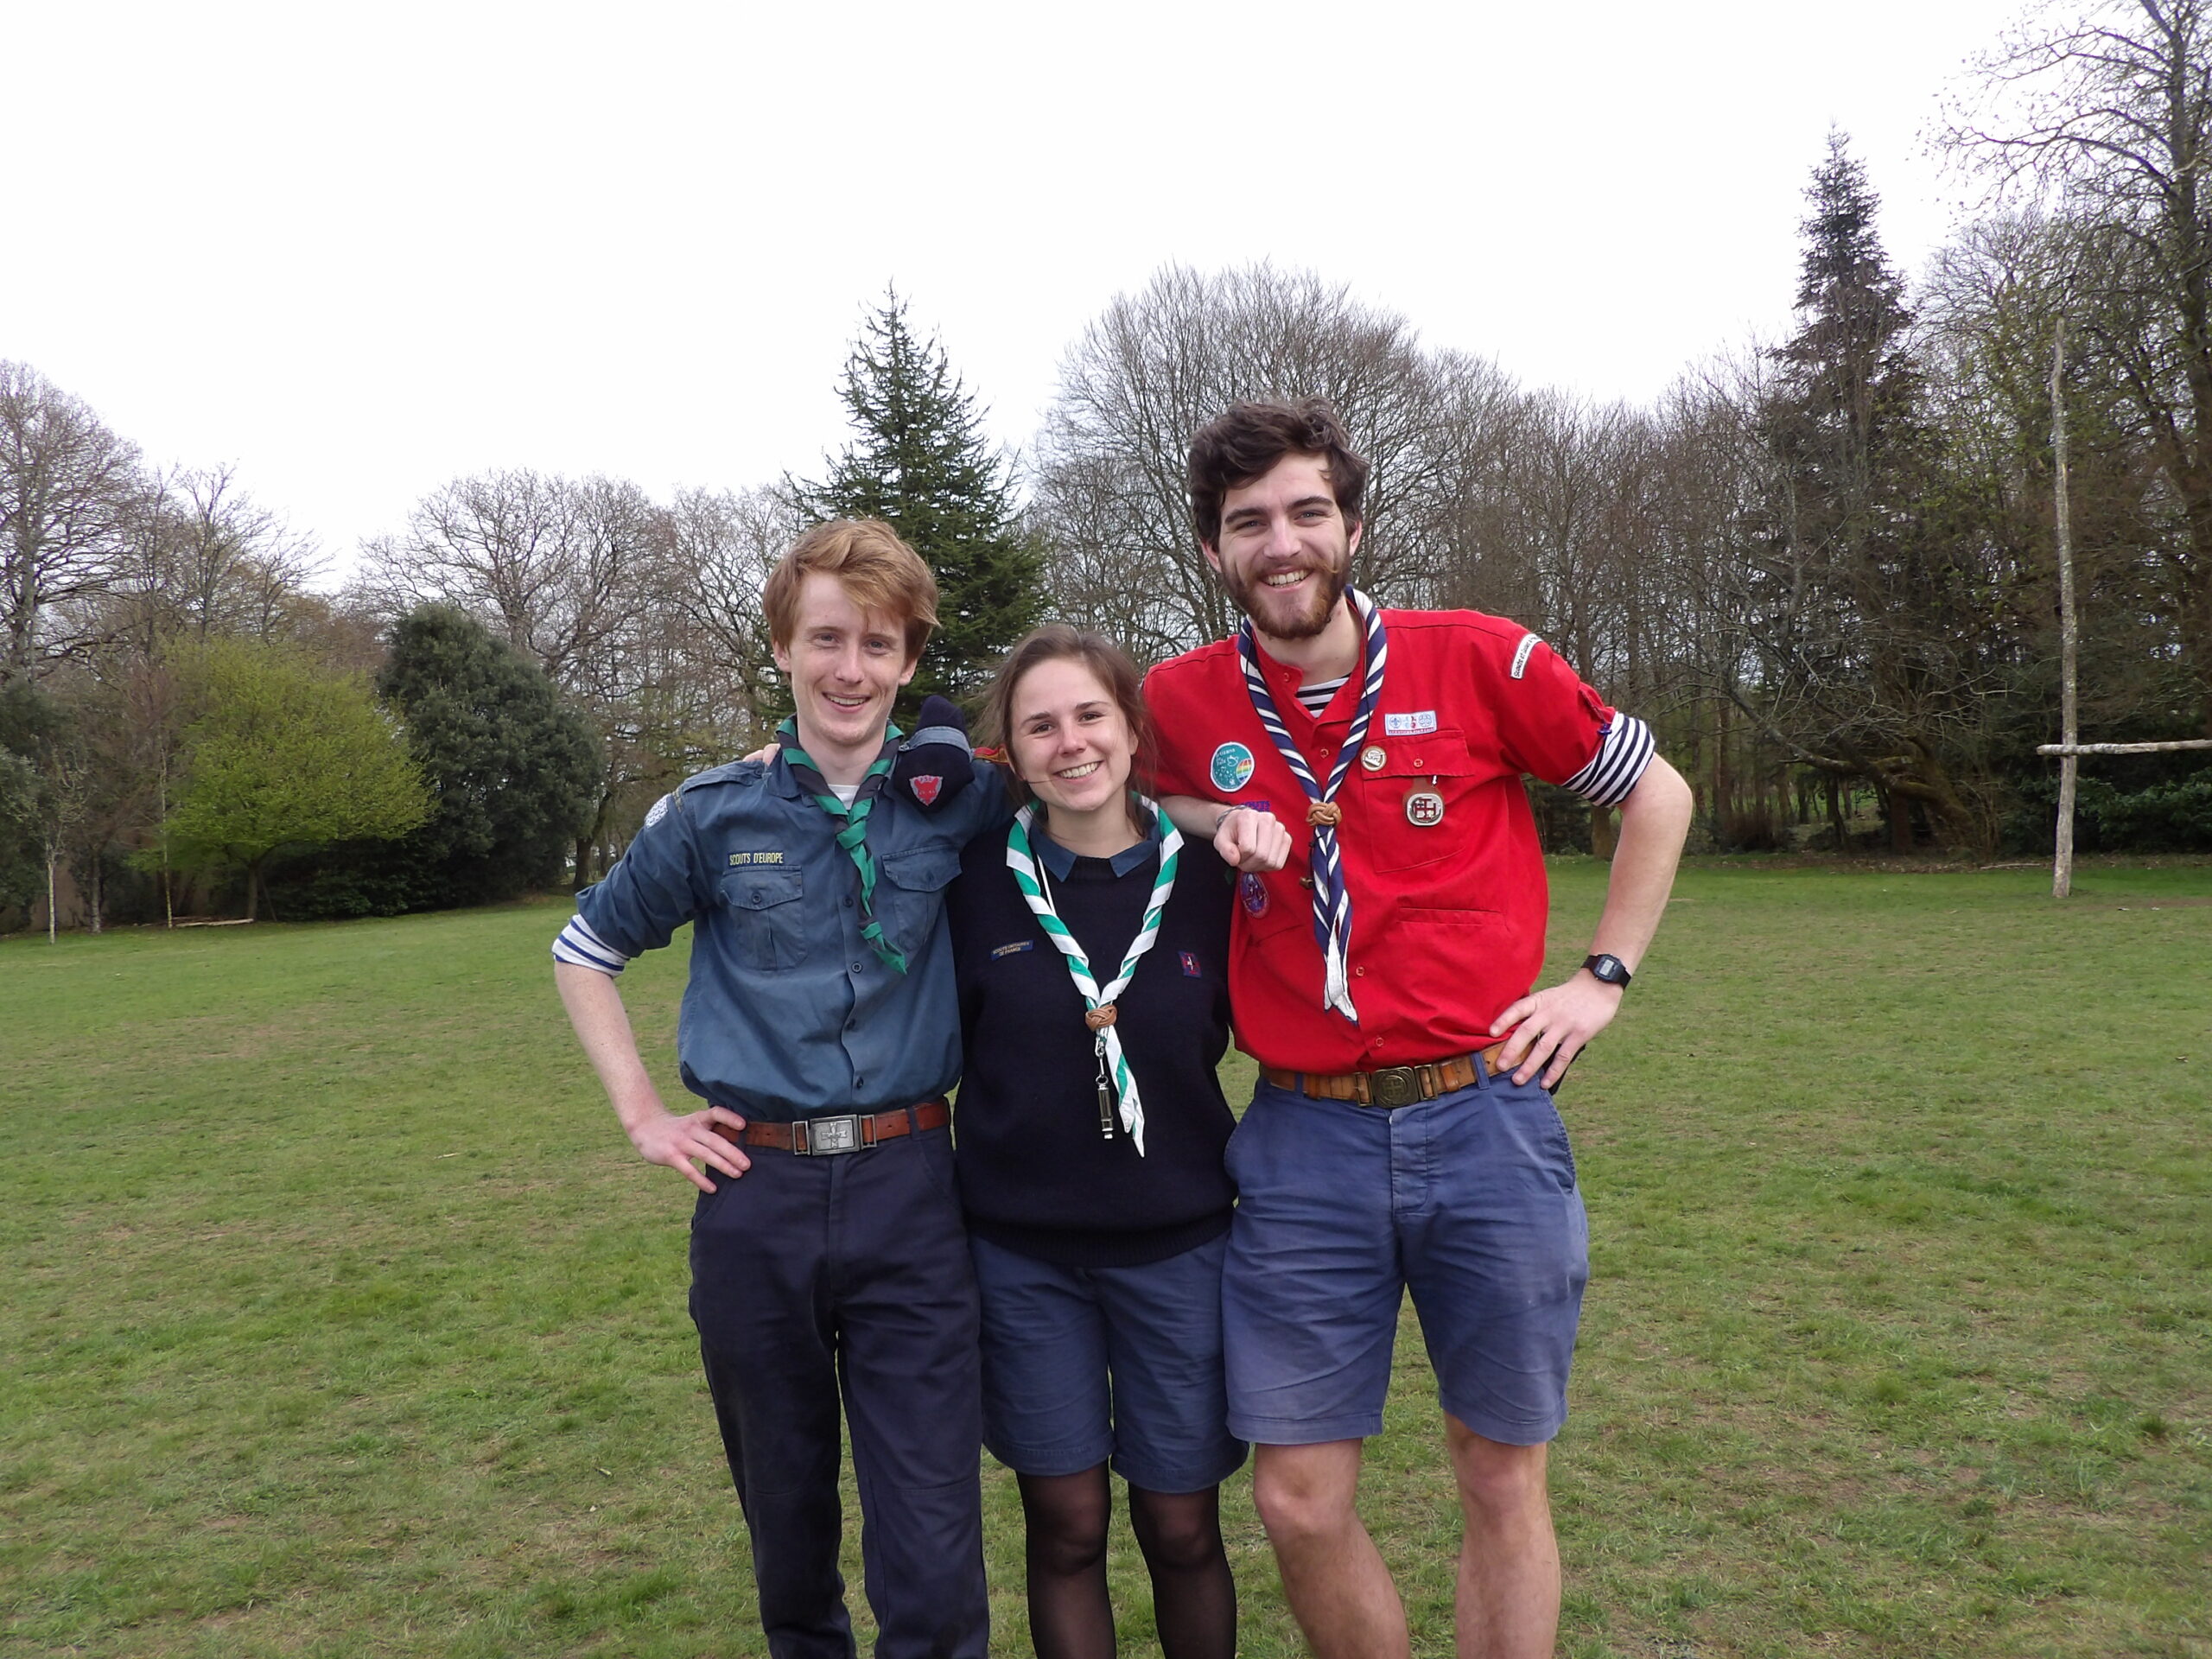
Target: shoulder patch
1521, 653
658, 810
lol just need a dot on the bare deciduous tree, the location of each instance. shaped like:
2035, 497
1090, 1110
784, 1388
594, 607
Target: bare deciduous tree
1111, 500
2109, 115
65, 483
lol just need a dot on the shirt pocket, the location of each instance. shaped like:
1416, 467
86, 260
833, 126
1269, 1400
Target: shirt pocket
1410, 799
910, 894
765, 915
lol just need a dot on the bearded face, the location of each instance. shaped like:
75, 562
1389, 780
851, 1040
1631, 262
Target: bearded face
1285, 552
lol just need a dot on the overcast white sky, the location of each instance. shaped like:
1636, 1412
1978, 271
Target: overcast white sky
358, 250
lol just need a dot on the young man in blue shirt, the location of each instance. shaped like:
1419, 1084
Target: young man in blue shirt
820, 1027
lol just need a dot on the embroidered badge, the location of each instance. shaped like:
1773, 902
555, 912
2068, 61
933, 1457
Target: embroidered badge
1252, 892
1528, 643
1424, 809
1232, 767
738, 860
926, 788
1416, 724
1015, 949
658, 810
1372, 757
1190, 964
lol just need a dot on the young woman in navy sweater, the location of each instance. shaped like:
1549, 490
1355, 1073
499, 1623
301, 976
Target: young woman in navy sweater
1091, 945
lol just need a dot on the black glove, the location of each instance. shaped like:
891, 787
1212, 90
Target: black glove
935, 763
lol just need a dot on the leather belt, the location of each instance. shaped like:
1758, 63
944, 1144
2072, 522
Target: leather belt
1393, 1085
819, 1137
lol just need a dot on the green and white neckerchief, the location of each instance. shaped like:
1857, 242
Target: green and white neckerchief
1115, 1077
852, 832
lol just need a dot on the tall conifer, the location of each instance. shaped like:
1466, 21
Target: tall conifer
921, 464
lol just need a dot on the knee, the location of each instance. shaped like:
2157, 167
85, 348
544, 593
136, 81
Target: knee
1496, 1480
1067, 1532
1064, 1551
1295, 1505
1176, 1533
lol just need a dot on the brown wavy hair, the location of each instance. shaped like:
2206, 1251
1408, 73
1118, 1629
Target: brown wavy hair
1247, 439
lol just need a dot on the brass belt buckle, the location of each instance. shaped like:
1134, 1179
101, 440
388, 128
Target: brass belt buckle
1395, 1086
817, 1137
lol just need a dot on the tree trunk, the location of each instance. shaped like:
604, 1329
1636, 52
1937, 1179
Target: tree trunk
1604, 832
1899, 811
253, 890
583, 864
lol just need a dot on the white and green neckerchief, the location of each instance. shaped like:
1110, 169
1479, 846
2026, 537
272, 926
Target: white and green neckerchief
1115, 1077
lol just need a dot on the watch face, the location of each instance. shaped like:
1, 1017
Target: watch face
1608, 969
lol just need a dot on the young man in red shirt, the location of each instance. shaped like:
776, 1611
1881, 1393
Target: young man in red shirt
1402, 1135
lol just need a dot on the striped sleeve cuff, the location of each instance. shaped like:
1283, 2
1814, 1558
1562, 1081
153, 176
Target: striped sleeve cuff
582, 948
1625, 750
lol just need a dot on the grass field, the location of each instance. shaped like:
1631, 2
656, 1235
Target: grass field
339, 1319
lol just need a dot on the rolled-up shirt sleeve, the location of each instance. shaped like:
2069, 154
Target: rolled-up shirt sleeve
1556, 728
1623, 751
653, 890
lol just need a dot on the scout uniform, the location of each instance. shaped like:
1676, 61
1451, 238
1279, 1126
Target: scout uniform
1380, 1153
821, 1008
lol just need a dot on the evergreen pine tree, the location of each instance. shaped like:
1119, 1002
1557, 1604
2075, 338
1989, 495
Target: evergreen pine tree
921, 465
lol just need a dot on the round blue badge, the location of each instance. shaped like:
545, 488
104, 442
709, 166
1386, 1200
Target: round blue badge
1232, 767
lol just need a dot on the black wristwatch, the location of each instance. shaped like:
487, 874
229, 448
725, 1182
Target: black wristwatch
1608, 970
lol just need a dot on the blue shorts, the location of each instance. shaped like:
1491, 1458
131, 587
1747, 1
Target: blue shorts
1081, 1364
1469, 1200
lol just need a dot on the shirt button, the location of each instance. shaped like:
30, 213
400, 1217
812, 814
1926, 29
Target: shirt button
856, 967
849, 901
1359, 973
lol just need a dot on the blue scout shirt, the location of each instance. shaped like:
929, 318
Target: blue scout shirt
788, 1011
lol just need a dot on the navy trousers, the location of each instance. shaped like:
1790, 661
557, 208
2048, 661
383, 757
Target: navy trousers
816, 1277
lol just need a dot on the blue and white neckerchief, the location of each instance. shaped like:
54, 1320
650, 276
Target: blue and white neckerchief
1331, 901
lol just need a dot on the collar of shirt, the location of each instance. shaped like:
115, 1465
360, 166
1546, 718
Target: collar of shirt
1283, 682
1061, 863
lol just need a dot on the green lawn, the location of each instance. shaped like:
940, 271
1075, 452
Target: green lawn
339, 1319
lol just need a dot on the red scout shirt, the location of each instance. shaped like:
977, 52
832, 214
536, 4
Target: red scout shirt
1447, 927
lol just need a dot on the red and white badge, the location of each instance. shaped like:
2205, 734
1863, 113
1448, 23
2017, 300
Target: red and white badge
1424, 809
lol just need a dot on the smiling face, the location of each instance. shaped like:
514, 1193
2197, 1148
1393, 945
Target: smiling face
1285, 552
1069, 741
846, 666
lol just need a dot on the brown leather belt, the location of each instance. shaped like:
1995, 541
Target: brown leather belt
818, 1137
1393, 1085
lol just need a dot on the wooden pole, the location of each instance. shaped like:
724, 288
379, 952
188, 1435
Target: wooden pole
2062, 875
2174, 747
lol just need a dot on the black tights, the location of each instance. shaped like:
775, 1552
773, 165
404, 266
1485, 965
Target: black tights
1193, 1596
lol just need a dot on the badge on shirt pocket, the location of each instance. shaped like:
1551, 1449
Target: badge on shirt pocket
1424, 807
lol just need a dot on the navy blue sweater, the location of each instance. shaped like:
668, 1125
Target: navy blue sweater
1035, 1174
